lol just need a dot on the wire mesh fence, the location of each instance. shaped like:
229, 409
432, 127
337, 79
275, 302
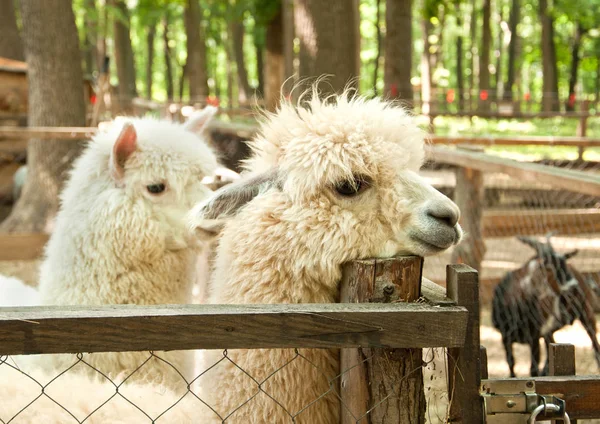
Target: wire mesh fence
519, 214
83, 391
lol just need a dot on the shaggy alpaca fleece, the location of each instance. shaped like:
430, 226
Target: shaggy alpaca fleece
117, 242
14, 292
329, 182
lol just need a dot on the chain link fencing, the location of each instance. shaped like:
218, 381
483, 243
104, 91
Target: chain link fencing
84, 392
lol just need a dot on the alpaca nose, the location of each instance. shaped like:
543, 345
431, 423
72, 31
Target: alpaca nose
446, 212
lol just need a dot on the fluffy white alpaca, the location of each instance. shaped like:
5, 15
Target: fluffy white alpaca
14, 292
330, 182
120, 236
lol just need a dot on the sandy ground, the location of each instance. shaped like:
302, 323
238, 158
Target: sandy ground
435, 371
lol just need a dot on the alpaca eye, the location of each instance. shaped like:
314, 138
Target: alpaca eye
155, 188
351, 188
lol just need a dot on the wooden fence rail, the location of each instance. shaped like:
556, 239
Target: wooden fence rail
248, 131
578, 181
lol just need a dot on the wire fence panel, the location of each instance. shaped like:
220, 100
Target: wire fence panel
82, 392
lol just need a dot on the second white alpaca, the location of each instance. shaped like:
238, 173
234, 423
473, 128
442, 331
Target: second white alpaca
120, 235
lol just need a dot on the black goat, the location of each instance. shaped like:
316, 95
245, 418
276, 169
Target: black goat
539, 298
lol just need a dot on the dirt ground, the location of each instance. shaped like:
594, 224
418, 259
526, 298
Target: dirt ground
435, 371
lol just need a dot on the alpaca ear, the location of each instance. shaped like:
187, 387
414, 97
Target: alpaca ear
198, 121
124, 146
572, 253
226, 201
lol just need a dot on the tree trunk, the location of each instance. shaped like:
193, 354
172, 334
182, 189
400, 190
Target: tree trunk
398, 50
275, 63
426, 68
196, 72
484, 58
498, 75
550, 71
168, 59
124, 58
55, 99
150, 61
237, 37
379, 42
10, 41
579, 32
328, 33
474, 57
287, 8
90, 51
259, 47
102, 30
460, 88
512, 49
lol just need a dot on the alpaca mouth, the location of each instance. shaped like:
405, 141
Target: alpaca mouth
438, 241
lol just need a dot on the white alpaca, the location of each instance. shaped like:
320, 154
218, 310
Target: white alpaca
120, 235
329, 182
14, 292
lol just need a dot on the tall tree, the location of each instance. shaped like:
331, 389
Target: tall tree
549, 66
379, 41
150, 36
484, 58
329, 41
259, 47
460, 87
168, 58
55, 99
10, 40
195, 67
274, 63
426, 66
237, 30
398, 50
513, 23
124, 55
90, 37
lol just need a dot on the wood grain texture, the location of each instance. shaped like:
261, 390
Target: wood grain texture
464, 363
582, 393
577, 181
562, 362
469, 199
137, 328
383, 385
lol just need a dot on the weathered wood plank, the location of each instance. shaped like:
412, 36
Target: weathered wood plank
136, 328
434, 293
516, 141
531, 222
382, 385
469, 198
578, 181
562, 362
464, 364
580, 392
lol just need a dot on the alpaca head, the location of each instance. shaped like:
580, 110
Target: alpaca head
143, 168
346, 168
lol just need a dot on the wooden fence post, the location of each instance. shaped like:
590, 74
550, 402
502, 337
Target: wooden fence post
469, 196
464, 364
582, 125
562, 362
383, 385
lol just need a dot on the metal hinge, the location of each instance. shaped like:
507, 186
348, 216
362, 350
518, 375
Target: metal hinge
516, 402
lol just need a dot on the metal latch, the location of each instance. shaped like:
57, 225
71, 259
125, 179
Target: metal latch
516, 402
